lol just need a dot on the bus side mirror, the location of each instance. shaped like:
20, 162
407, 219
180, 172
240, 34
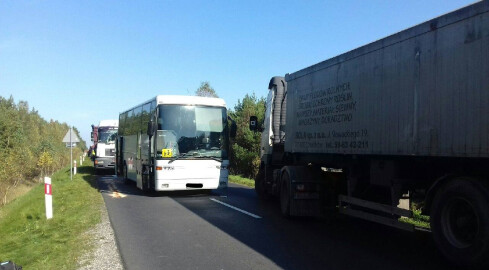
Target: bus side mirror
234, 128
91, 135
151, 128
253, 123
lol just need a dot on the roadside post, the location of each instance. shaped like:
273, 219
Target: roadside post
48, 197
71, 139
74, 168
71, 154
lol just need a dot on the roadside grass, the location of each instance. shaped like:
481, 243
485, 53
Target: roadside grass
19, 191
28, 239
417, 219
238, 179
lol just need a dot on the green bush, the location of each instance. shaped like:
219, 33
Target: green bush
245, 150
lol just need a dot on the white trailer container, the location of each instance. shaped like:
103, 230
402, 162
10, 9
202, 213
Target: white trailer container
405, 117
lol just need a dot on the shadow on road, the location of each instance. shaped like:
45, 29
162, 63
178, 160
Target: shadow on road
337, 242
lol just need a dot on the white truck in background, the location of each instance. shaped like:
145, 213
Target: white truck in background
105, 145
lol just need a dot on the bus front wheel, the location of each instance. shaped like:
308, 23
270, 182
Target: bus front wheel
126, 180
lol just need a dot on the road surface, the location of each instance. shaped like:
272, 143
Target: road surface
236, 231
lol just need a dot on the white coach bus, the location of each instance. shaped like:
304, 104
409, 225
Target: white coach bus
175, 143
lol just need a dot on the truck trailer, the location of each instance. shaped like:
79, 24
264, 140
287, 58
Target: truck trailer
405, 118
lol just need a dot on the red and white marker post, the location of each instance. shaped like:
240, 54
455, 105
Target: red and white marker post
48, 197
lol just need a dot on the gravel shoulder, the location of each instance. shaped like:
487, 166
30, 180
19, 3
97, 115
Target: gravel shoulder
105, 255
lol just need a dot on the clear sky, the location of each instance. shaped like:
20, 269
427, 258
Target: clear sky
80, 62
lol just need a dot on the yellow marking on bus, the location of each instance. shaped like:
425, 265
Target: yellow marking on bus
166, 152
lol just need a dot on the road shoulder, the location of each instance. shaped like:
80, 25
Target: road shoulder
105, 255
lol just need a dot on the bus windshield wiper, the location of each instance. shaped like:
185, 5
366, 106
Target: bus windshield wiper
211, 157
177, 157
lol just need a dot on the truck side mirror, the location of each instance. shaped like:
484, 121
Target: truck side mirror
253, 123
151, 128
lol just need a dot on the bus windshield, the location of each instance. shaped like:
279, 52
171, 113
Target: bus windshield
107, 135
192, 132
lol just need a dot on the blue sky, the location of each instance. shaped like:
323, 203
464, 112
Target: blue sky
83, 61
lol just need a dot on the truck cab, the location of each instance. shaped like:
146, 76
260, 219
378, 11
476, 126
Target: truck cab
105, 146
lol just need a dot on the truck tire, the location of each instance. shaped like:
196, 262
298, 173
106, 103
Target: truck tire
285, 195
460, 222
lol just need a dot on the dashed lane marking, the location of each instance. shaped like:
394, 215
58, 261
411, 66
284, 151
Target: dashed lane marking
236, 208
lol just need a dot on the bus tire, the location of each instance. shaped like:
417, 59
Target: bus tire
145, 184
126, 180
285, 195
460, 222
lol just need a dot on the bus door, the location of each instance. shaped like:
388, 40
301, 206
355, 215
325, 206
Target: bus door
139, 167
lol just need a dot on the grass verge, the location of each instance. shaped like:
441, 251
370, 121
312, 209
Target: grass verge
28, 239
238, 179
417, 219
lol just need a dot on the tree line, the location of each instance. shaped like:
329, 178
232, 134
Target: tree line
30, 147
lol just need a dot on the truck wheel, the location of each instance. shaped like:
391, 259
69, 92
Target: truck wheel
285, 195
460, 222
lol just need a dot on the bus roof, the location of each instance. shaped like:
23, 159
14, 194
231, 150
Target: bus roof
184, 100
190, 100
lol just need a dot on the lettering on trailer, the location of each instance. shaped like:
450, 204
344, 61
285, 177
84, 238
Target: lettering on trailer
327, 109
331, 105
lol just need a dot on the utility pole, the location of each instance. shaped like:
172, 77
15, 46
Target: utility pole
69, 140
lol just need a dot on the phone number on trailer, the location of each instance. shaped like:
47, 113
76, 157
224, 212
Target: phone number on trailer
347, 144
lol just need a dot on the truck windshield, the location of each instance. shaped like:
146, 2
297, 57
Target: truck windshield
192, 132
107, 135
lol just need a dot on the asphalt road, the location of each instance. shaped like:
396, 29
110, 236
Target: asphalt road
196, 231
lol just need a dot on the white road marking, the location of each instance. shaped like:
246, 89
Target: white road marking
235, 208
